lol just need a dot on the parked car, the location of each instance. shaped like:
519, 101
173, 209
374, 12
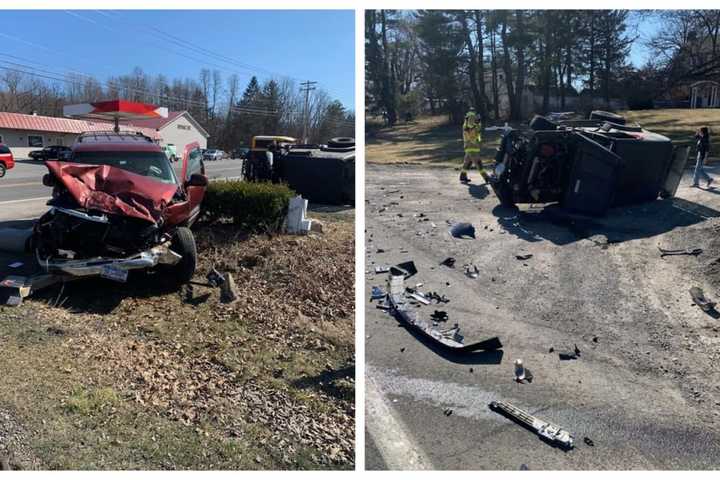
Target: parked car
213, 154
117, 205
240, 153
7, 161
170, 152
587, 166
55, 152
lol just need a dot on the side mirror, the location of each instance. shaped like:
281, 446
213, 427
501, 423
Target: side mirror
197, 180
48, 180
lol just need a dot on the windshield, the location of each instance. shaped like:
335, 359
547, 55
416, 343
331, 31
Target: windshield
154, 165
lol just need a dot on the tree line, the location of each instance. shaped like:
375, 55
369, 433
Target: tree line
449, 61
230, 114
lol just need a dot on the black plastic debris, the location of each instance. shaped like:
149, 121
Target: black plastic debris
701, 301
574, 355
588, 442
406, 269
524, 256
382, 269
448, 262
448, 412
439, 316
462, 230
437, 297
215, 278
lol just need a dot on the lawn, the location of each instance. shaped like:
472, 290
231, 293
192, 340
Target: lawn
431, 140
98, 375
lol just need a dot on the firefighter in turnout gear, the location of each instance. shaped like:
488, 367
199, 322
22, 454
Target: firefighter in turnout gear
471, 140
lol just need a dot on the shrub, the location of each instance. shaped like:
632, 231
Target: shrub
252, 206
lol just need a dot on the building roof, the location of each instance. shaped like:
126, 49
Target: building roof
39, 123
159, 123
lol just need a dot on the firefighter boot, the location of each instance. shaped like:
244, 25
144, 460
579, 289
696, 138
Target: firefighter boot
463, 177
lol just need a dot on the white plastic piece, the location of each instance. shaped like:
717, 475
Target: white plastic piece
296, 221
519, 370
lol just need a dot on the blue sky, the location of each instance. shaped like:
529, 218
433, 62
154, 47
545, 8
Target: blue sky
302, 44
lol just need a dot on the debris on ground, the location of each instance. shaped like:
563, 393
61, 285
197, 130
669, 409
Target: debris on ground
523, 256
377, 294
472, 271
229, 292
522, 374
215, 278
688, 251
382, 269
462, 230
548, 431
296, 221
588, 442
437, 297
448, 412
570, 355
701, 301
450, 338
406, 269
439, 316
448, 262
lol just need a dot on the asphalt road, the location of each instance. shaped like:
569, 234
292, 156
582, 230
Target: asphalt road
22, 194
642, 390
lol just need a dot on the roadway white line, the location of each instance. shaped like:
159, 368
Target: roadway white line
10, 185
8, 202
399, 452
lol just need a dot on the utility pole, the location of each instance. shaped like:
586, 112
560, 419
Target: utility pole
307, 87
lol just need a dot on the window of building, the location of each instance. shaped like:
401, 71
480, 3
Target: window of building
35, 141
184, 127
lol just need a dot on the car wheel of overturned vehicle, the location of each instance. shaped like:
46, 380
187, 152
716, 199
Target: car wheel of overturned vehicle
183, 243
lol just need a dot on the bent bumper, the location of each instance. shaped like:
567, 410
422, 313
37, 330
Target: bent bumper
159, 255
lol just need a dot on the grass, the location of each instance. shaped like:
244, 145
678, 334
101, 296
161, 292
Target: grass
139, 376
431, 140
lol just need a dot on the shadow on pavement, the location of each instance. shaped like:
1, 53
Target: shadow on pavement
561, 227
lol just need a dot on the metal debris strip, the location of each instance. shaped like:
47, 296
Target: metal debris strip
682, 251
377, 293
546, 430
450, 339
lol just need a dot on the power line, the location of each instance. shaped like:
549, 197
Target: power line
50, 75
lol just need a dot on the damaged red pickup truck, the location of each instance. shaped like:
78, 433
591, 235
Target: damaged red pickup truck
118, 205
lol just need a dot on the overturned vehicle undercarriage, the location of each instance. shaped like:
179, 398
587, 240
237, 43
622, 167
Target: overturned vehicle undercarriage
587, 166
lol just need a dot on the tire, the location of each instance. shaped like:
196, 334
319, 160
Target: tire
607, 116
183, 243
341, 142
541, 123
3, 169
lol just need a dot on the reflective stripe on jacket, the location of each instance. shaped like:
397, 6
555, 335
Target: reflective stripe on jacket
471, 137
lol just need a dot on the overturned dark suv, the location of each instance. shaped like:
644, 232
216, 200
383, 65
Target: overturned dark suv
587, 166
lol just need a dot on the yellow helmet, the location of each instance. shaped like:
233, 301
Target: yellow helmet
471, 117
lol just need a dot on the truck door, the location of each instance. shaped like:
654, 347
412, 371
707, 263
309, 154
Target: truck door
192, 164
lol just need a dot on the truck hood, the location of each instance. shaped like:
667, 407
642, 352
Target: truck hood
113, 190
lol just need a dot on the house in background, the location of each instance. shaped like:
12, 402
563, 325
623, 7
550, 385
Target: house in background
23, 133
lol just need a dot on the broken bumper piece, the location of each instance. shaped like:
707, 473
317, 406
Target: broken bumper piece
548, 431
113, 268
449, 339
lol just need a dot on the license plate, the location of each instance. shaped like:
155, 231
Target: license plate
111, 272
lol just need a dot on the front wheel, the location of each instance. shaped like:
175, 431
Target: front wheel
183, 243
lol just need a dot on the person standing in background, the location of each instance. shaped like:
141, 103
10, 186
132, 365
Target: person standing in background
703, 148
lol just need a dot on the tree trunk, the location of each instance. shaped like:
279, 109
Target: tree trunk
495, 93
472, 66
481, 69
